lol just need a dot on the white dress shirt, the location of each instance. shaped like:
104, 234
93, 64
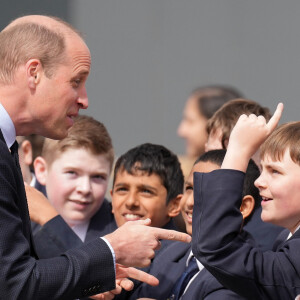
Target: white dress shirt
7, 127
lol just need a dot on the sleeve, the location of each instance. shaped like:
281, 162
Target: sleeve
54, 238
80, 272
231, 258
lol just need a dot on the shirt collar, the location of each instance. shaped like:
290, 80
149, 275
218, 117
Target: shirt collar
290, 234
200, 266
7, 127
81, 230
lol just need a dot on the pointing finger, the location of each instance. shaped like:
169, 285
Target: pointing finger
165, 234
141, 276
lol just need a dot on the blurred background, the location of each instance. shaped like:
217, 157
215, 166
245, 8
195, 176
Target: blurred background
147, 56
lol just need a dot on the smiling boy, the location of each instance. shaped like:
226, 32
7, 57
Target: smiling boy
75, 171
238, 265
148, 183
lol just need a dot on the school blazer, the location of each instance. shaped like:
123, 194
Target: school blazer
168, 267
56, 237
81, 272
220, 247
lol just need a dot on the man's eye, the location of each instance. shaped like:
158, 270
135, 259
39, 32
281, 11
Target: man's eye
76, 82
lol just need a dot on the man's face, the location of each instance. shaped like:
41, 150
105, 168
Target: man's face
187, 200
139, 196
193, 128
76, 184
279, 187
61, 96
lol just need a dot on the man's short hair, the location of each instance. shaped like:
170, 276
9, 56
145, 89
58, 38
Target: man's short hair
153, 159
226, 116
28, 40
286, 136
252, 173
86, 133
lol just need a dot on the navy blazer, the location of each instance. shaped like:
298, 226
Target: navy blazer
56, 237
84, 271
168, 267
218, 244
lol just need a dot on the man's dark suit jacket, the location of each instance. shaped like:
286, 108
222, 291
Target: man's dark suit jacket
80, 272
168, 267
56, 237
218, 244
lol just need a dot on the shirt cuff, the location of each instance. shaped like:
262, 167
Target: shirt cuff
112, 251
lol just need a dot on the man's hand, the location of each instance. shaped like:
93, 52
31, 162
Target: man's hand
246, 137
135, 242
123, 282
40, 209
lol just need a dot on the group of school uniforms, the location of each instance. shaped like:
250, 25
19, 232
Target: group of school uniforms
55, 237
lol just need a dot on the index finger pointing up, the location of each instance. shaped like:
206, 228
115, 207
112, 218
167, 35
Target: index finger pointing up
275, 118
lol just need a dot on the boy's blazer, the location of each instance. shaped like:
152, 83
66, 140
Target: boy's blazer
235, 262
56, 237
168, 267
25, 277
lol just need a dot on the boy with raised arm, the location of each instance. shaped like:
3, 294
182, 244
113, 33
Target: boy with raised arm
219, 127
217, 242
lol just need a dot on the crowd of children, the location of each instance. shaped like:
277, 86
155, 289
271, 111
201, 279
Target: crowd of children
235, 208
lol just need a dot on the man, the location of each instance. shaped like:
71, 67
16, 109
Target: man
44, 64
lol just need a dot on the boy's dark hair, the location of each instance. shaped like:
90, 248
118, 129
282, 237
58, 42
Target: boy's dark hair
211, 97
252, 173
153, 159
227, 116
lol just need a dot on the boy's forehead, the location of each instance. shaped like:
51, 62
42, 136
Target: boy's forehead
138, 176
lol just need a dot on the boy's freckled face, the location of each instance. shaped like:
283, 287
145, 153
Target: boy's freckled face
279, 186
187, 201
139, 196
76, 184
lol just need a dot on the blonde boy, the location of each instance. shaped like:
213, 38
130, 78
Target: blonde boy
75, 171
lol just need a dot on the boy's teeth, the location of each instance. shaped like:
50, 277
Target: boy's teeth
131, 216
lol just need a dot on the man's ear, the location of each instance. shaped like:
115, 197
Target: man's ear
247, 206
40, 169
34, 71
173, 206
27, 152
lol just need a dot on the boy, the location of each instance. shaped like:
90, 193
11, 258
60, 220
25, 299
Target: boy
171, 263
219, 128
76, 171
147, 183
238, 265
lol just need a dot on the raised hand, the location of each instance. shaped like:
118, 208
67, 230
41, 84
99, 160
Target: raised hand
135, 242
247, 136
